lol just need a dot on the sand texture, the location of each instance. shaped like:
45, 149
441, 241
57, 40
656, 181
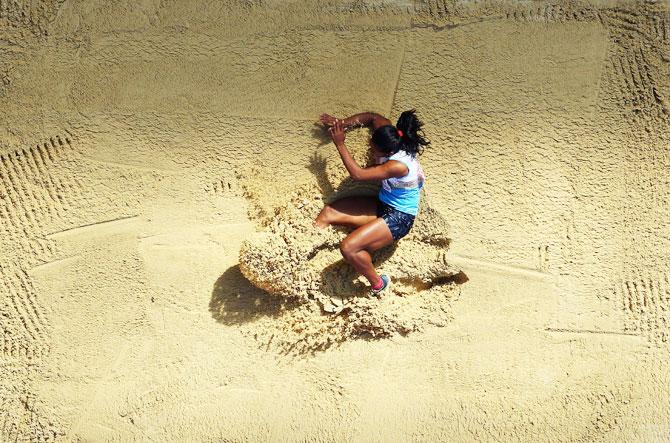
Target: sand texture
291, 259
160, 167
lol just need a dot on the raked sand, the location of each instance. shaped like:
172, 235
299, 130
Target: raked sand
146, 145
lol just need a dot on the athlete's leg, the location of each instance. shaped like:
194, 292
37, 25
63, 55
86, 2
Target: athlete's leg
348, 211
356, 247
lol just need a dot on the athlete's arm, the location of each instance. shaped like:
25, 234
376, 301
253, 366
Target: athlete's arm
362, 119
366, 119
391, 168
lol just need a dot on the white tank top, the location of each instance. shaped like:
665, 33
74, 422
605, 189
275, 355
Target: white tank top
403, 192
413, 177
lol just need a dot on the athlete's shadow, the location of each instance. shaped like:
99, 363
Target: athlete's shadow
321, 134
235, 301
347, 186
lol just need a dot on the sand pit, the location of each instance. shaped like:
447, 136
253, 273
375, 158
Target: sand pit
292, 259
160, 278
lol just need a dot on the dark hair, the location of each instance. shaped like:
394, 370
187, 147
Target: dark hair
387, 139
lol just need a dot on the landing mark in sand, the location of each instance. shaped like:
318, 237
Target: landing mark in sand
590, 331
91, 226
482, 265
448, 26
131, 166
55, 263
397, 80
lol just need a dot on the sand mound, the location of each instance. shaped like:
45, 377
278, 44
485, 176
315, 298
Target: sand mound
292, 259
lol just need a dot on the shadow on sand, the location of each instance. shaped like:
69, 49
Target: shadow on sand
341, 280
348, 186
235, 301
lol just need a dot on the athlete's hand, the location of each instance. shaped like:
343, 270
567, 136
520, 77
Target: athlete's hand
337, 132
328, 120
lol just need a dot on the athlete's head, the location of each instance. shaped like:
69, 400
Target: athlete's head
404, 136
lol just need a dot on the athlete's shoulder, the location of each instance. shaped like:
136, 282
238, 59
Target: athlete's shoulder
400, 155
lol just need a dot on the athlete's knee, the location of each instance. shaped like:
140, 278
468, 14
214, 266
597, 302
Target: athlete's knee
348, 249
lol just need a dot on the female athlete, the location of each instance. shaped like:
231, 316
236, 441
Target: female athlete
389, 216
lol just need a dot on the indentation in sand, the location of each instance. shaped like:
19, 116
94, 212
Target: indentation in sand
292, 259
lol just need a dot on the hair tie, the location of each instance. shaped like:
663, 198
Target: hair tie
399, 132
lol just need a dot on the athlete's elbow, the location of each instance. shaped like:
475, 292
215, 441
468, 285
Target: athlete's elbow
357, 175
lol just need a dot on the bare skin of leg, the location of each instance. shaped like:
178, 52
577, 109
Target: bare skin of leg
349, 211
371, 232
358, 245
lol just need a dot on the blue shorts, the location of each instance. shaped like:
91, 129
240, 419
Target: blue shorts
398, 222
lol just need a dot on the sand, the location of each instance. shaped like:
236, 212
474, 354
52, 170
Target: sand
156, 157
293, 260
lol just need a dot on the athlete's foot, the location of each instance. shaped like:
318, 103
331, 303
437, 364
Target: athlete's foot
383, 283
316, 224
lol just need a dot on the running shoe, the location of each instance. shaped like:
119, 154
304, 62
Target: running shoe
387, 282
